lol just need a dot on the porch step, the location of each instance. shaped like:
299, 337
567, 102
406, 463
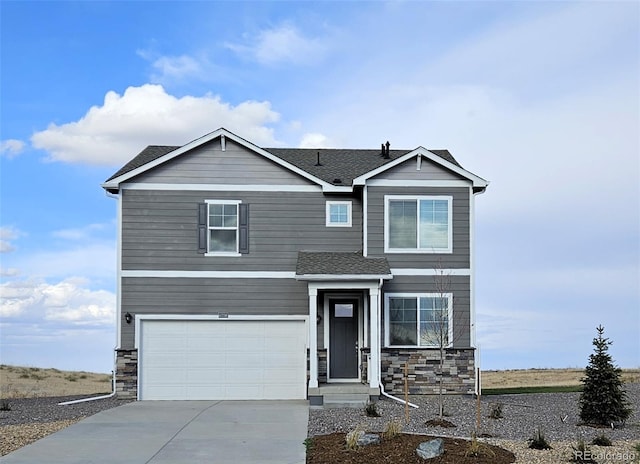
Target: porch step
344, 395
345, 400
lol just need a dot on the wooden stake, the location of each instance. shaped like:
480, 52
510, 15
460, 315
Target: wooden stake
406, 392
478, 402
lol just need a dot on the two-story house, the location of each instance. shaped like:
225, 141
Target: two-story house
274, 273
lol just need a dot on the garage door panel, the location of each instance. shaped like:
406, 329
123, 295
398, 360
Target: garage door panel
222, 359
165, 360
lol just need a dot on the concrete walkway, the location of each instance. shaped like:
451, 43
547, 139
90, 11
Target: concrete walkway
159, 432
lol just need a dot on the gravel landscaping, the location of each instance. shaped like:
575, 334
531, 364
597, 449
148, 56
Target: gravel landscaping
556, 413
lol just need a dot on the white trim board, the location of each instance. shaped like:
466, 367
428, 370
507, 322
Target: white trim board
417, 183
429, 272
211, 274
221, 187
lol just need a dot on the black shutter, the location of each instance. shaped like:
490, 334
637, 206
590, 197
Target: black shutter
202, 227
243, 213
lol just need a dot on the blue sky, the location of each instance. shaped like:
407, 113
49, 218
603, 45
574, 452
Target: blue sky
540, 98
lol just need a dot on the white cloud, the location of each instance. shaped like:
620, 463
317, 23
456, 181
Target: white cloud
9, 272
69, 301
113, 133
315, 140
11, 148
7, 234
281, 45
80, 233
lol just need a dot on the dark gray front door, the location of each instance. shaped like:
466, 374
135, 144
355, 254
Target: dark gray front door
343, 339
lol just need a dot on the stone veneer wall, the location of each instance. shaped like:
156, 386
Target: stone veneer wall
322, 366
459, 370
127, 374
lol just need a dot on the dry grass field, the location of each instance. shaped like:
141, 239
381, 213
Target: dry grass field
29, 382
543, 377
26, 382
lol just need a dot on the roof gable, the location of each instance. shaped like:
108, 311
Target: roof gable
335, 170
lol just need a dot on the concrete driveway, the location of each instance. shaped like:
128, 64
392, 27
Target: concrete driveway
155, 432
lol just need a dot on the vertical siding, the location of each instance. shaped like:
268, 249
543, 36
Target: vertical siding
159, 230
208, 164
461, 231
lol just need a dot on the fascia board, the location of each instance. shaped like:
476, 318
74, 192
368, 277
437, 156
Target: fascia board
421, 151
332, 277
327, 187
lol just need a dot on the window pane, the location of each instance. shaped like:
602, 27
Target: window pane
402, 224
338, 214
403, 321
434, 321
215, 215
222, 240
230, 216
434, 224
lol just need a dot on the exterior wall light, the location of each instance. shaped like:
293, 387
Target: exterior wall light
128, 317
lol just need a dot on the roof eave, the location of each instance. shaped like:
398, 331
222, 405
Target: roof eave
337, 277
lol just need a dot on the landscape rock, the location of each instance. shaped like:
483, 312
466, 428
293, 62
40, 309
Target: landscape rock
368, 439
430, 449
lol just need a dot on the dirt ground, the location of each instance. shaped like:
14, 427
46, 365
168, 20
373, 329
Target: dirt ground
29, 382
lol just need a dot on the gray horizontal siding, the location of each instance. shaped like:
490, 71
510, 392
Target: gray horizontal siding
459, 286
159, 230
208, 164
210, 296
459, 259
428, 171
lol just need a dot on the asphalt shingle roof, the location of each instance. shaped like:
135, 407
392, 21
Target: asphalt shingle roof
340, 263
343, 164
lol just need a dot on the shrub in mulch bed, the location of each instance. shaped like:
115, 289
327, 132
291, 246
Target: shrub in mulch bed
331, 449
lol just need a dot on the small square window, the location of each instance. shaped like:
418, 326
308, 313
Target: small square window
338, 214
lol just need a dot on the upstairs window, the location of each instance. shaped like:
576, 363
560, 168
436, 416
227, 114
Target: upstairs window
418, 224
223, 228
338, 214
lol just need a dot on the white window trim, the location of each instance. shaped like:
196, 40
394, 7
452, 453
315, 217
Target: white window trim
418, 198
338, 224
387, 319
224, 253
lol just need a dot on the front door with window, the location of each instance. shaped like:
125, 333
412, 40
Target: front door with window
343, 339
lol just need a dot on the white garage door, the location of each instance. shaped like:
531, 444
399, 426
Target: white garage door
222, 359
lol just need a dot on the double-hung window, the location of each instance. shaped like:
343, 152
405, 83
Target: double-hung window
418, 224
222, 225
418, 320
338, 214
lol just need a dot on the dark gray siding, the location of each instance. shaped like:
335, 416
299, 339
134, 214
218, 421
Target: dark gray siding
459, 286
208, 164
409, 171
143, 295
160, 230
459, 259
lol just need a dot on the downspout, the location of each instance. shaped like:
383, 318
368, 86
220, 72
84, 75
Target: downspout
380, 354
83, 400
113, 372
